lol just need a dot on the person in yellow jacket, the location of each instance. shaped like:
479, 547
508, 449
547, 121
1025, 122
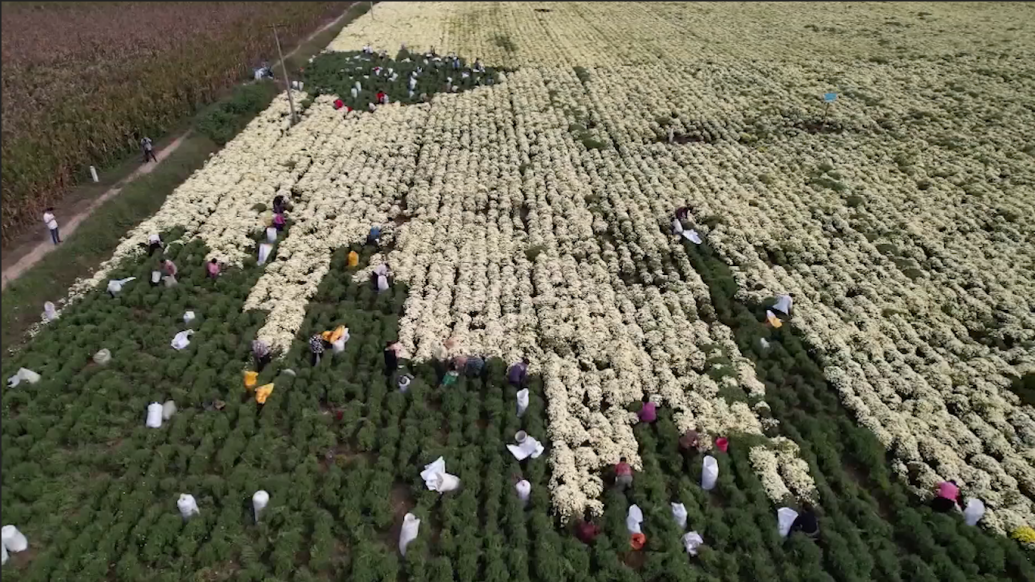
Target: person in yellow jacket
353, 259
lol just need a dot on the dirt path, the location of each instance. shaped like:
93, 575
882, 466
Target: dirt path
68, 225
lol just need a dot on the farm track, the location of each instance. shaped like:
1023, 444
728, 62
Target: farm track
31, 252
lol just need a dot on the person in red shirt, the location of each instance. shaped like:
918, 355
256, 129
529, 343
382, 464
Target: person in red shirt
338, 103
623, 475
380, 97
586, 531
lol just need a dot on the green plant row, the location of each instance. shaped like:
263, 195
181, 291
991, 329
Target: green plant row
337, 73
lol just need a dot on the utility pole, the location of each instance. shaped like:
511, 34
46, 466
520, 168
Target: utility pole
287, 81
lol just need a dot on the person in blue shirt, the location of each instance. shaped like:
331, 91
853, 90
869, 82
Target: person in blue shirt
374, 237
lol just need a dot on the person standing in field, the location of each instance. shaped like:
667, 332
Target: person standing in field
391, 358
52, 225
149, 149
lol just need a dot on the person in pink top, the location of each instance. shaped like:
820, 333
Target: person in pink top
948, 496
649, 412
213, 268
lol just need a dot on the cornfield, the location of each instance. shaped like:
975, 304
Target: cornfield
79, 80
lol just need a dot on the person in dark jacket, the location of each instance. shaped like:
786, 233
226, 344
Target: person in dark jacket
517, 372
391, 358
806, 523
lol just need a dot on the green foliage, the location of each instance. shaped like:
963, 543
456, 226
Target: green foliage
336, 74
503, 41
227, 118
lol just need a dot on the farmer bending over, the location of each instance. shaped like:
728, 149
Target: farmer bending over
316, 347
948, 497
213, 268
154, 243
517, 373
623, 475
262, 354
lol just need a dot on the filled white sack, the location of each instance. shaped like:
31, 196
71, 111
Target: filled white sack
679, 514
785, 517
168, 409
187, 506
13, 539
188, 317
23, 375
524, 491
436, 478
526, 447
710, 474
522, 401
259, 502
691, 541
633, 519
102, 357
783, 304
271, 234
154, 415
409, 532
338, 346
264, 252
974, 512
49, 311
182, 339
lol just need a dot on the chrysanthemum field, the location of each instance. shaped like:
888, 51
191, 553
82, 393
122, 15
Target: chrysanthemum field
526, 213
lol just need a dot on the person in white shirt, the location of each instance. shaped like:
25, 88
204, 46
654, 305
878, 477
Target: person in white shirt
51, 222
154, 243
